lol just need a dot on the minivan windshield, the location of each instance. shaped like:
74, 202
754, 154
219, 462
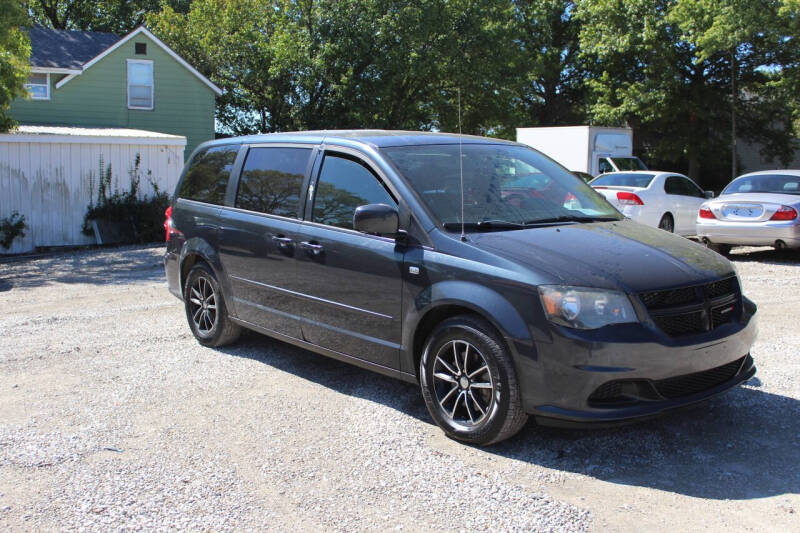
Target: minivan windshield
505, 187
623, 179
777, 183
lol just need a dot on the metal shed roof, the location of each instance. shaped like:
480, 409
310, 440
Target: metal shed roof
68, 134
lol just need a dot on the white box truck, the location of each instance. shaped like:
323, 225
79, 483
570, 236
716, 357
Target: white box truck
590, 149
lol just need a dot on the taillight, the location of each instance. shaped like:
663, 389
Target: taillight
628, 198
784, 213
168, 221
706, 213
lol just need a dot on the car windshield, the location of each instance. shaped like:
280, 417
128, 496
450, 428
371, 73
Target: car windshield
628, 163
505, 187
624, 180
776, 183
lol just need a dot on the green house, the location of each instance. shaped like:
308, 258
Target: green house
93, 79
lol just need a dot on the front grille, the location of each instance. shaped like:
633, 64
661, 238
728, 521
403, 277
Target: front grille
681, 325
722, 315
658, 299
700, 381
685, 310
723, 287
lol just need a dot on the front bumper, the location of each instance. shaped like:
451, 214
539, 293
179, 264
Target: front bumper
749, 233
560, 385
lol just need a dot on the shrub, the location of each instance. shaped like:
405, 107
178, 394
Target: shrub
129, 209
11, 227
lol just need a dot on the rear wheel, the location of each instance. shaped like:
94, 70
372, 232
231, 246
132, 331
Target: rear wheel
469, 383
206, 310
667, 223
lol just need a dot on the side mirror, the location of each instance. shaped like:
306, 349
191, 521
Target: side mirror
379, 219
709, 194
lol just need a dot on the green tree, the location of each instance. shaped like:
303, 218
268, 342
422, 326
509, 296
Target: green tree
648, 71
115, 16
756, 37
15, 51
548, 70
308, 64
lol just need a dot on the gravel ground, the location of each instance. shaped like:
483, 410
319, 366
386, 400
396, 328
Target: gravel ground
113, 418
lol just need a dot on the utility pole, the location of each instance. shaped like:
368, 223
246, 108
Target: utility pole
733, 113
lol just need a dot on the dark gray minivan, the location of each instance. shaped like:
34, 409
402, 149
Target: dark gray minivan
479, 268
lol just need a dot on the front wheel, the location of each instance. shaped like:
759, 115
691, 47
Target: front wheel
469, 383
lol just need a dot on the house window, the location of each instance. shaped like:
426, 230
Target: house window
39, 86
140, 84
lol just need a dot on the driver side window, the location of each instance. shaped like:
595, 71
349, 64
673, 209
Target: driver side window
344, 184
604, 166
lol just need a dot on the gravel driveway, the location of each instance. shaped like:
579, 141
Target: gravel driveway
113, 417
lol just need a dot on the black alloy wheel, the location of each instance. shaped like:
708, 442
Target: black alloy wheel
206, 311
469, 382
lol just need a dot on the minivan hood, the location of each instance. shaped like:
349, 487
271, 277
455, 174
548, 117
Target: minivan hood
616, 255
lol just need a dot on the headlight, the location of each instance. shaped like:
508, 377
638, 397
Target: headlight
584, 308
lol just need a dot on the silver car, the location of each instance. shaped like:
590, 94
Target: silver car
756, 209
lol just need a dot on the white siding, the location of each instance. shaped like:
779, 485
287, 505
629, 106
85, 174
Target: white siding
47, 180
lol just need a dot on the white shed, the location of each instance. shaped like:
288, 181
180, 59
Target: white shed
50, 175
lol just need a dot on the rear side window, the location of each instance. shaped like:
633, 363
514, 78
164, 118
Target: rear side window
208, 174
272, 179
682, 186
345, 184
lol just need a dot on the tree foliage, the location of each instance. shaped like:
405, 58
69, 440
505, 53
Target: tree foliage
671, 69
15, 51
548, 72
666, 68
337, 64
115, 16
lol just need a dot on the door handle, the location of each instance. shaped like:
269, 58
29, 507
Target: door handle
314, 248
282, 241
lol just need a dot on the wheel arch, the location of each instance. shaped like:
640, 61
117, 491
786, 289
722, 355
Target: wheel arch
198, 250
453, 298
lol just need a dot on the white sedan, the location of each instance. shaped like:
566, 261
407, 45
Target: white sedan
664, 200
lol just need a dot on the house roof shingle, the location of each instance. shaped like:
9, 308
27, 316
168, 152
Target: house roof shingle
65, 48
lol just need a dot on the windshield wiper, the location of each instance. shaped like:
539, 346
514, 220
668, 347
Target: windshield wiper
567, 218
487, 225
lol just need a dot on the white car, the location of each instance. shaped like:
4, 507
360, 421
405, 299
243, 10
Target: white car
665, 200
756, 209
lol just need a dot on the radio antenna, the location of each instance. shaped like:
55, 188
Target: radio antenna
461, 166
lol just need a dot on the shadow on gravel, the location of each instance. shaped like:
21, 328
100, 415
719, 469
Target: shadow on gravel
96, 267
768, 256
336, 375
744, 444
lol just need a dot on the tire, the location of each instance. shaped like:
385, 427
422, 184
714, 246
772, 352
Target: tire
206, 311
488, 405
667, 223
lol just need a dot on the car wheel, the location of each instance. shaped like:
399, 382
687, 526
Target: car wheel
206, 310
469, 383
667, 223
